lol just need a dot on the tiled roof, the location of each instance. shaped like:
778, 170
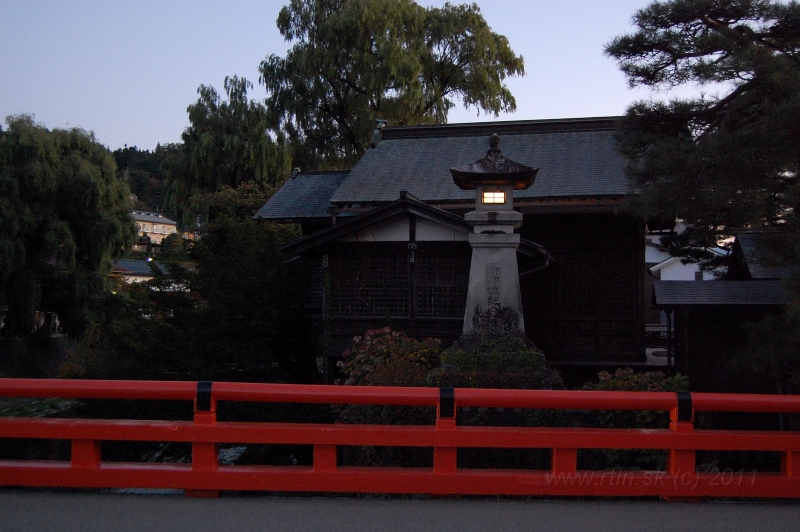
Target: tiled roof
136, 267
141, 216
577, 158
304, 196
761, 262
673, 293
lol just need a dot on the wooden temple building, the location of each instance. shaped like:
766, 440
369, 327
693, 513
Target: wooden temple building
386, 243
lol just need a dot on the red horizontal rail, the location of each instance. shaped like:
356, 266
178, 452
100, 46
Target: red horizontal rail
729, 402
306, 393
406, 480
206, 475
394, 395
97, 389
563, 399
396, 436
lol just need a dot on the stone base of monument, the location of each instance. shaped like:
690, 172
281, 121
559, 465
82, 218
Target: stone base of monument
496, 354
491, 324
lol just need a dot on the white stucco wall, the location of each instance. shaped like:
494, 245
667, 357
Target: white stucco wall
428, 230
396, 229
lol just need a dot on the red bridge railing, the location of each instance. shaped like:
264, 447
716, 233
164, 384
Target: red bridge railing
206, 477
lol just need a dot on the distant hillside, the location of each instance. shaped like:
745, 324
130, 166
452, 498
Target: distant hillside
146, 172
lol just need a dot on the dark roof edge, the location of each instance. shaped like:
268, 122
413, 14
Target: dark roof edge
322, 172
764, 293
406, 203
502, 128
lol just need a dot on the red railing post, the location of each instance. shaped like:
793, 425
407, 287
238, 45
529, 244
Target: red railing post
790, 464
205, 455
325, 458
445, 459
85, 454
564, 461
682, 463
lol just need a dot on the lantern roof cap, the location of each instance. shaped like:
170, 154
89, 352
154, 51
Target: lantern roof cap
494, 169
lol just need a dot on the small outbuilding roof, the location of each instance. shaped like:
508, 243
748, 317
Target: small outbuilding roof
304, 196
757, 254
677, 293
137, 267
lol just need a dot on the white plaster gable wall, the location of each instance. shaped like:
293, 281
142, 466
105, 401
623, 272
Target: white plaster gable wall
396, 229
428, 230
674, 269
653, 255
669, 268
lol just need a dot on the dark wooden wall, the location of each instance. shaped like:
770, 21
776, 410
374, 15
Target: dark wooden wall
420, 289
588, 306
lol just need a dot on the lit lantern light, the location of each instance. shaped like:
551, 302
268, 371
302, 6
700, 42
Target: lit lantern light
494, 197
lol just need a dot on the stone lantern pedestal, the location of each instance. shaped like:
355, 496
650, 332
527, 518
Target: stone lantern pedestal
494, 302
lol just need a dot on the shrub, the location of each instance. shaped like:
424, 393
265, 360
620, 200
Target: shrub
627, 380
505, 362
383, 357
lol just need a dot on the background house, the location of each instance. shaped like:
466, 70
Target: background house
152, 228
710, 316
374, 257
136, 271
662, 266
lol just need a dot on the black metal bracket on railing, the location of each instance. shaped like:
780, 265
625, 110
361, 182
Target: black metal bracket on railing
447, 402
684, 406
203, 398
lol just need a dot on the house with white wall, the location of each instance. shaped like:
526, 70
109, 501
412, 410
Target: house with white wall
152, 228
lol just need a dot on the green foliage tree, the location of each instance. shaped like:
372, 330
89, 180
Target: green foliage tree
227, 143
773, 351
355, 61
64, 216
232, 203
725, 161
721, 161
145, 172
233, 313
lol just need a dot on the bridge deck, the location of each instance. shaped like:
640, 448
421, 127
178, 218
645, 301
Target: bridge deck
39, 510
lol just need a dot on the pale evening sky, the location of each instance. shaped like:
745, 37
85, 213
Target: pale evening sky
128, 70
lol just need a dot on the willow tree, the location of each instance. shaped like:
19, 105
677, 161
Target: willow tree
64, 216
728, 158
355, 61
228, 142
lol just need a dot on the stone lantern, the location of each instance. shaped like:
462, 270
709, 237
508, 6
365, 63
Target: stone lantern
494, 277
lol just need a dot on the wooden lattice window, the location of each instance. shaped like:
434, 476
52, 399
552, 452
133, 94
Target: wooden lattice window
371, 285
441, 284
314, 282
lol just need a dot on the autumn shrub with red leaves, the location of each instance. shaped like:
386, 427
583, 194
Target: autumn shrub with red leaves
384, 357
